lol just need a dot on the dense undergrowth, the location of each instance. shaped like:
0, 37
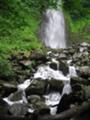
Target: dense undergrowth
77, 14
18, 26
78, 30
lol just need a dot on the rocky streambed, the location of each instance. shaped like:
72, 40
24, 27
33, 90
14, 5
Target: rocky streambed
54, 85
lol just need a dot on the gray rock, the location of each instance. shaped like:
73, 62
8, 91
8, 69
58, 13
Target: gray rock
79, 80
25, 63
16, 96
87, 91
63, 67
18, 109
56, 85
62, 56
53, 65
38, 104
6, 88
3, 107
84, 44
84, 71
37, 87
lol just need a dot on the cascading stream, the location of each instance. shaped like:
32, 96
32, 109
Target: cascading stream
52, 31
53, 98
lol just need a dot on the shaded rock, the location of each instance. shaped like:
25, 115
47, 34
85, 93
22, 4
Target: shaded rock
7, 89
37, 87
3, 107
56, 85
38, 57
18, 109
53, 65
34, 98
87, 91
71, 51
65, 103
78, 92
75, 98
77, 56
38, 104
84, 44
63, 67
75, 80
25, 63
16, 96
62, 56
84, 71
84, 115
68, 101
44, 110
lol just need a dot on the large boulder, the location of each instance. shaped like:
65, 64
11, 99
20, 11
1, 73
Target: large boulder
63, 67
65, 102
38, 104
7, 88
80, 80
18, 95
84, 71
18, 109
55, 85
37, 87
3, 107
86, 92
53, 65
38, 57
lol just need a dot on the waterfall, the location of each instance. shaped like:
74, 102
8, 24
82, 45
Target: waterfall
52, 30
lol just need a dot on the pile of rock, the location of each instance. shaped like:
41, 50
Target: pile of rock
29, 103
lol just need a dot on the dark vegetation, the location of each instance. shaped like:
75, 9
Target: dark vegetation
77, 13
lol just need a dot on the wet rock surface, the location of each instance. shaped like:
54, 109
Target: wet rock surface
50, 74
18, 110
37, 87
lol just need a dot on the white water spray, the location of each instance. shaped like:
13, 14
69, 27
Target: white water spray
52, 31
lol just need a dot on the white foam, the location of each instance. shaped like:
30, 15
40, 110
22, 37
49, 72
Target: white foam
72, 71
53, 110
11, 102
81, 49
69, 61
30, 110
67, 89
52, 99
24, 85
45, 72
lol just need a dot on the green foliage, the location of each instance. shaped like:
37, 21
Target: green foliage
79, 30
77, 14
6, 71
18, 25
77, 8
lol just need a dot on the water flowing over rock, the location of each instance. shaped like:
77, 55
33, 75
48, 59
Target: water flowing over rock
57, 83
52, 30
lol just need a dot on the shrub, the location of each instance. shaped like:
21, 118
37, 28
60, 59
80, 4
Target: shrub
6, 71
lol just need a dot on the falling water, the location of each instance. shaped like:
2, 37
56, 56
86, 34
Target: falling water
45, 72
52, 31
